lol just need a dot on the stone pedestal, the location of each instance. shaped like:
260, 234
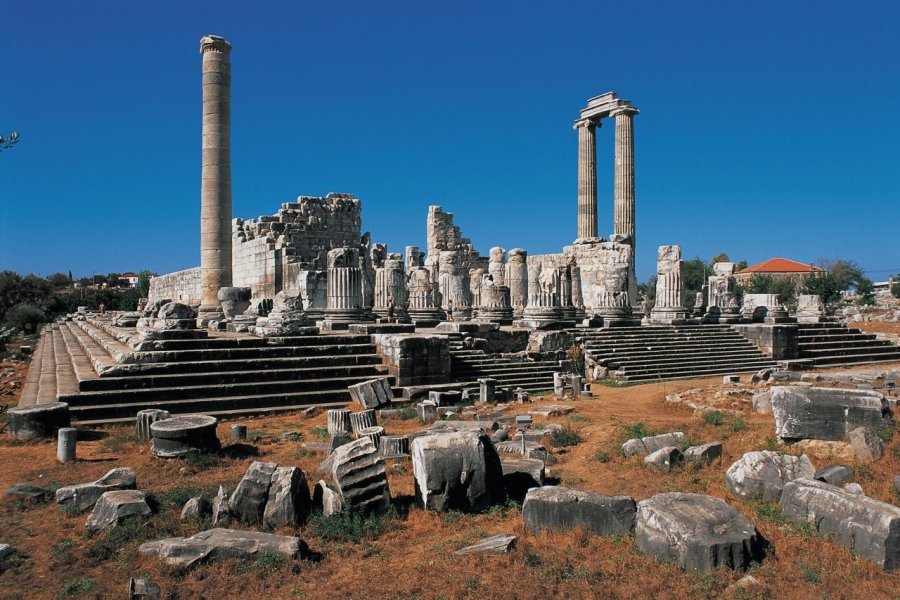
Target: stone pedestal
215, 184
390, 289
343, 295
146, 418
669, 308
517, 280
543, 310
179, 436
65, 444
495, 305
723, 306
810, 309
422, 308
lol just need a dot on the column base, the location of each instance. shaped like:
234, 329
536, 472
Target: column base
208, 314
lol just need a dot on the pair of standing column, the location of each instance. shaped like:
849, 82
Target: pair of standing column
623, 221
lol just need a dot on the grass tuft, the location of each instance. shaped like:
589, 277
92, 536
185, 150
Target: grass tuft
562, 438
349, 525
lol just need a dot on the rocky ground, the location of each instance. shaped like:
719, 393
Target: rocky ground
410, 554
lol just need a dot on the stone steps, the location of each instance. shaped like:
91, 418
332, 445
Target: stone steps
661, 353
828, 344
257, 364
157, 356
31, 387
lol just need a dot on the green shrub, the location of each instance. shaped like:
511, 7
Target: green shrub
737, 425
713, 417
349, 526
562, 438
637, 430
603, 457
76, 587
25, 316
201, 461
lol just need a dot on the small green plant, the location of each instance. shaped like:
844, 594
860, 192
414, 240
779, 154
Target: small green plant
70, 509
603, 456
610, 382
350, 525
713, 417
76, 587
63, 550
808, 573
407, 412
532, 560
737, 425
175, 498
638, 430
117, 440
319, 432
772, 442
562, 438
268, 562
304, 453
770, 511
576, 355
131, 529
201, 460
886, 433
579, 419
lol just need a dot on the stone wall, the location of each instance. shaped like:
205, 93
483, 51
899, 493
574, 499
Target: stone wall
444, 236
778, 341
180, 286
415, 359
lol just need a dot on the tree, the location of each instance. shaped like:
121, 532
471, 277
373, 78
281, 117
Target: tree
25, 316
720, 257
7, 142
741, 265
59, 280
824, 284
865, 291
695, 272
144, 283
762, 283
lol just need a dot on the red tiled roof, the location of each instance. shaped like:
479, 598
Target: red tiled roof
780, 265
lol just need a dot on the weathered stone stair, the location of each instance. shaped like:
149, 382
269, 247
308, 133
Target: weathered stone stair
90, 365
829, 344
468, 365
652, 353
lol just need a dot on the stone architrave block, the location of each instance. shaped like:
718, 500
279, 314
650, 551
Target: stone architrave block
826, 413
217, 544
457, 471
705, 453
696, 532
869, 527
559, 508
665, 459
763, 474
834, 474
85, 495
373, 393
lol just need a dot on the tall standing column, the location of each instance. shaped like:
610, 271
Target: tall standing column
215, 184
587, 178
623, 219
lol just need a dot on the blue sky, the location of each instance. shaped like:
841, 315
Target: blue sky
766, 128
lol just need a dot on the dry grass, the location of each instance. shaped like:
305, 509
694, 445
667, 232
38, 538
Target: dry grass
412, 557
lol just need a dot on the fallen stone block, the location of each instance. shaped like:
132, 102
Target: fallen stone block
288, 503
834, 474
372, 393
870, 528
826, 413
326, 499
652, 443
665, 459
696, 532
427, 411
853, 488
763, 474
112, 507
553, 410
28, 494
559, 508
217, 544
457, 471
495, 544
248, 501
37, 420
705, 453
521, 474
358, 473
762, 402
85, 495
221, 512
866, 444
143, 589
195, 509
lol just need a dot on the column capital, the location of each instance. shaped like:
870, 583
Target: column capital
625, 110
589, 123
214, 43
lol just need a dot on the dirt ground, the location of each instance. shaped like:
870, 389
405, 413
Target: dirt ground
411, 555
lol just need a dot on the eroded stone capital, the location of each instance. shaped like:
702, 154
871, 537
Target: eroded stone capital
624, 110
590, 123
214, 43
